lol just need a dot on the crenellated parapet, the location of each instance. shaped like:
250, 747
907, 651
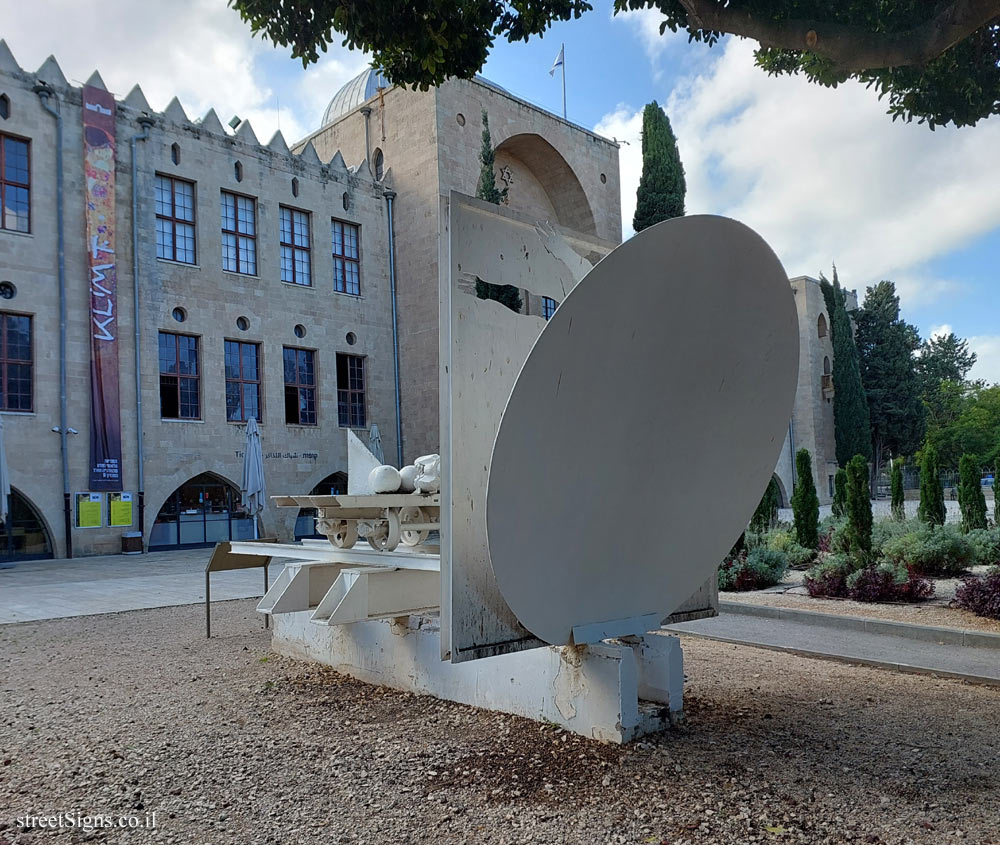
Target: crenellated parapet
276, 153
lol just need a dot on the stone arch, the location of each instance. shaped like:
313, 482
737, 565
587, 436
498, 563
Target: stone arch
548, 182
378, 164
827, 366
201, 511
31, 538
304, 525
821, 326
781, 491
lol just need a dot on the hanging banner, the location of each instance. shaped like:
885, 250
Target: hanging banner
99, 172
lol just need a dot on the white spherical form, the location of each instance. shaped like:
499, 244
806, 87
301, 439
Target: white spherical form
384, 479
407, 479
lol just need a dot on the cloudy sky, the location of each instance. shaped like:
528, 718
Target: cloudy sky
824, 175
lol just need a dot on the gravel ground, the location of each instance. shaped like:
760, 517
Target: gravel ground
227, 743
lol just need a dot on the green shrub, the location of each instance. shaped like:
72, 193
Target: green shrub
759, 569
932, 508
839, 507
971, 500
938, 551
782, 540
766, 514
859, 508
898, 504
805, 502
828, 578
985, 544
889, 529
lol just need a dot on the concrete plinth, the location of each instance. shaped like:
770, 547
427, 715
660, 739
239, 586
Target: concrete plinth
614, 691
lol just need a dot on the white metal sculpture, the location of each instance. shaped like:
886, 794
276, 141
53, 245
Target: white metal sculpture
698, 342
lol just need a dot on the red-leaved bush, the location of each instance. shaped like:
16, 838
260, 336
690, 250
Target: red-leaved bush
981, 594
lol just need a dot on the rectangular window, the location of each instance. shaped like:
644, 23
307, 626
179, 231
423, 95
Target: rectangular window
15, 184
242, 381
179, 377
548, 307
300, 386
239, 234
295, 263
346, 258
351, 391
175, 219
15, 362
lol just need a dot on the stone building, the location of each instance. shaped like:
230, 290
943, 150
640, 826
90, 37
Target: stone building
811, 426
263, 286
265, 280
554, 171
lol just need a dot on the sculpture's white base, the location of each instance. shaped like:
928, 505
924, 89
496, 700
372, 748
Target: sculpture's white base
614, 691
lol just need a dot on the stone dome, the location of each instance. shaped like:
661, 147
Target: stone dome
362, 88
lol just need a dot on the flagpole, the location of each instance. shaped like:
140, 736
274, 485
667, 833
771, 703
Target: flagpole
564, 80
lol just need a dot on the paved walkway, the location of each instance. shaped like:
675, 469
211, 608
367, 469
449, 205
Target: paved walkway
815, 639
50, 589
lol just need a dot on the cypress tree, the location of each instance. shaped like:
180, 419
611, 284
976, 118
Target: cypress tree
852, 427
488, 189
859, 510
805, 502
971, 500
840, 493
932, 509
898, 508
661, 188
766, 514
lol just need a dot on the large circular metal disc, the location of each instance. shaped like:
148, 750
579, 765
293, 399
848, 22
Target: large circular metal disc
643, 428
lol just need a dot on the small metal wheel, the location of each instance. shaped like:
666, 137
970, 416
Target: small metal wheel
343, 533
384, 537
409, 536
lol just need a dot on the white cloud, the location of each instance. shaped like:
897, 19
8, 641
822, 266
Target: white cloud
824, 175
197, 50
943, 330
987, 366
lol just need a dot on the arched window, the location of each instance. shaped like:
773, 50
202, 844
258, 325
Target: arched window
4, 106
175, 153
827, 368
203, 511
821, 327
23, 535
305, 523
378, 162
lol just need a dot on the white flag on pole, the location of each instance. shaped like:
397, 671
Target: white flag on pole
559, 60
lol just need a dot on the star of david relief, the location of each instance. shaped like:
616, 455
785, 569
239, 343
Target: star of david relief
506, 176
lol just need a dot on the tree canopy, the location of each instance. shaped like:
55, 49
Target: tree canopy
886, 346
661, 187
852, 427
934, 60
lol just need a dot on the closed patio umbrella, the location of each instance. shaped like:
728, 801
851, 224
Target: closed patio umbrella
375, 443
253, 490
4, 479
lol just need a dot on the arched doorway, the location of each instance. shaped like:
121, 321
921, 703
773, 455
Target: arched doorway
203, 511
24, 536
305, 522
782, 496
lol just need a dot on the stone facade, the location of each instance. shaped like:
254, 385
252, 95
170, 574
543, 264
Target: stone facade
812, 418
212, 300
560, 173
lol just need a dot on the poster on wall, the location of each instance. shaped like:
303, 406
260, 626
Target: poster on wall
119, 510
89, 510
99, 178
